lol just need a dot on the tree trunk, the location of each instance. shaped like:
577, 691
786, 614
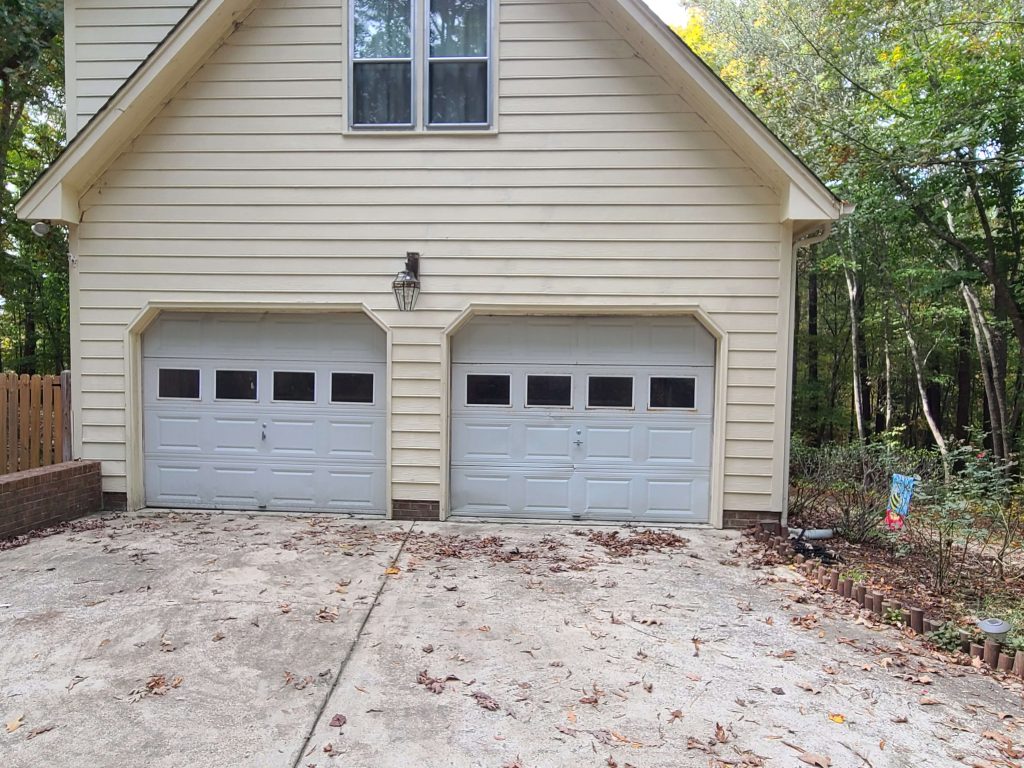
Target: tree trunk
852, 290
922, 389
964, 383
995, 392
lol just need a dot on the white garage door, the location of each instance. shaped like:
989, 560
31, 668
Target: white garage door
593, 418
262, 411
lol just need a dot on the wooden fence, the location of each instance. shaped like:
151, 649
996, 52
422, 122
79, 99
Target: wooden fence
35, 421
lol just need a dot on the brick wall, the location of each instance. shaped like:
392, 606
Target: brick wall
40, 498
736, 518
408, 509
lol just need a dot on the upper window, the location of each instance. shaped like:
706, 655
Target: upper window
382, 63
457, 77
420, 57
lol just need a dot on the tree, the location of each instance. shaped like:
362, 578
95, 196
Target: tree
914, 109
33, 271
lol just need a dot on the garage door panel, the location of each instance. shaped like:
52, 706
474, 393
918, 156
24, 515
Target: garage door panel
548, 494
483, 493
485, 441
355, 439
544, 443
290, 487
245, 450
607, 444
582, 451
177, 434
236, 435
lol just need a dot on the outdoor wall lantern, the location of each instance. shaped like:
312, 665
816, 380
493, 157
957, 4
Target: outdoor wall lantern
406, 284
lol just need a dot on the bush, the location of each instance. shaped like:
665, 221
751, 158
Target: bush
851, 481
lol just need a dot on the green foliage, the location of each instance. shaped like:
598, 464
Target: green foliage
33, 271
914, 110
893, 616
946, 637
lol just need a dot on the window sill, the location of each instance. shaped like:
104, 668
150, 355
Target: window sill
407, 132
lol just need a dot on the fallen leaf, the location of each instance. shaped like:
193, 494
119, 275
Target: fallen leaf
778, 691
219, 636
675, 714
571, 717
485, 701
721, 735
811, 758
392, 571
15, 722
39, 731
338, 721
566, 730
836, 717
927, 700
327, 613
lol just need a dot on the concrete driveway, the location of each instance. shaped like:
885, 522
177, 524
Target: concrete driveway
224, 640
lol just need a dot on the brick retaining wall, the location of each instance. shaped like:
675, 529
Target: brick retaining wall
40, 498
734, 518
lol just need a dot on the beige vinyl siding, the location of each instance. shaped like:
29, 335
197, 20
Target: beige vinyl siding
600, 186
106, 41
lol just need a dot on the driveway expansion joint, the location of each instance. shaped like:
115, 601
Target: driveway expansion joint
350, 652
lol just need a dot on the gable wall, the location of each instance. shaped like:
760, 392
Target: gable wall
105, 41
601, 186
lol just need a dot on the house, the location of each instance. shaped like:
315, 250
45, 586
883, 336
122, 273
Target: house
600, 242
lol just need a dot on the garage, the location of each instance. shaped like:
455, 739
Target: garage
265, 411
582, 418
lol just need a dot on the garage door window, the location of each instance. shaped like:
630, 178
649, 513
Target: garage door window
673, 392
549, 391
178, 383
610, 392
352, 388
236, 385
488, 389
295, 386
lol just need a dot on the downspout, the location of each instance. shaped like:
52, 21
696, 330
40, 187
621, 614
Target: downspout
813, 237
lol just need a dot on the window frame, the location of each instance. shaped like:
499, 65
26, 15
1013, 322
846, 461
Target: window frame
273, 386
632, 392
198, 399
218, 399
468, 404
650, 383
354, 403
572, 391
414, 14
419, 51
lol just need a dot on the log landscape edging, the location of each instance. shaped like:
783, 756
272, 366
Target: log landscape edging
917, 624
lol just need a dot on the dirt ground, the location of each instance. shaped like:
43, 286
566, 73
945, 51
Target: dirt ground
227, 640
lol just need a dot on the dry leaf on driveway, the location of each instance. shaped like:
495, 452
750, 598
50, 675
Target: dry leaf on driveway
338, 721
15, 722
812, 758
485, 700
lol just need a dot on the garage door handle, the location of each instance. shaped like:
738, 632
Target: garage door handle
577, 442
263, 434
